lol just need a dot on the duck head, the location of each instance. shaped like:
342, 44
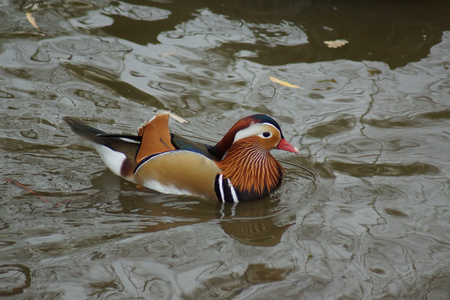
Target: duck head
245, 159
260, 130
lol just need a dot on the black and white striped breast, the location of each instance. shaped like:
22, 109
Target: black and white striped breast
227, 192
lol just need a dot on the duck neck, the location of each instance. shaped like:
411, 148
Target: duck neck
251, 169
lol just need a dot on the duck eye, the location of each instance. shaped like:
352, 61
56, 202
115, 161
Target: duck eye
266, 134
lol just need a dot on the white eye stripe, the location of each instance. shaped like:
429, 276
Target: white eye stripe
252, 130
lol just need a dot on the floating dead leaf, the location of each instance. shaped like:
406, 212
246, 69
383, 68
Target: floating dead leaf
336, 43
169, 54
22, 186
32, 21
19, 185
173, 116
178, 118
283, 83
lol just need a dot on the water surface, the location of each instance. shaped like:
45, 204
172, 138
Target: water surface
363, 211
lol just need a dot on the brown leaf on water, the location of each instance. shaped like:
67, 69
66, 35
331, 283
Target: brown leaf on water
336, 43
24, 187
19, 185
32, 21
283, 83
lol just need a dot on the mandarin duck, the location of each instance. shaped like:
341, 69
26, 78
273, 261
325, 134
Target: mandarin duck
238, 168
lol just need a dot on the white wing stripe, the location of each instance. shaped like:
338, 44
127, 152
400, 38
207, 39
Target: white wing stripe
222, 194
233, 191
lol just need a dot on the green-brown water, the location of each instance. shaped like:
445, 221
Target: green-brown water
363, 211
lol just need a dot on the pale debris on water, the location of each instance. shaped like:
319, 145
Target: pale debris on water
283, 83
32, 21
336, 43
172, 115
178, 118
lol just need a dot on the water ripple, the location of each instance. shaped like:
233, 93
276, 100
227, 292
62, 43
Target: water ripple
14, 279
136, 12
368, 170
